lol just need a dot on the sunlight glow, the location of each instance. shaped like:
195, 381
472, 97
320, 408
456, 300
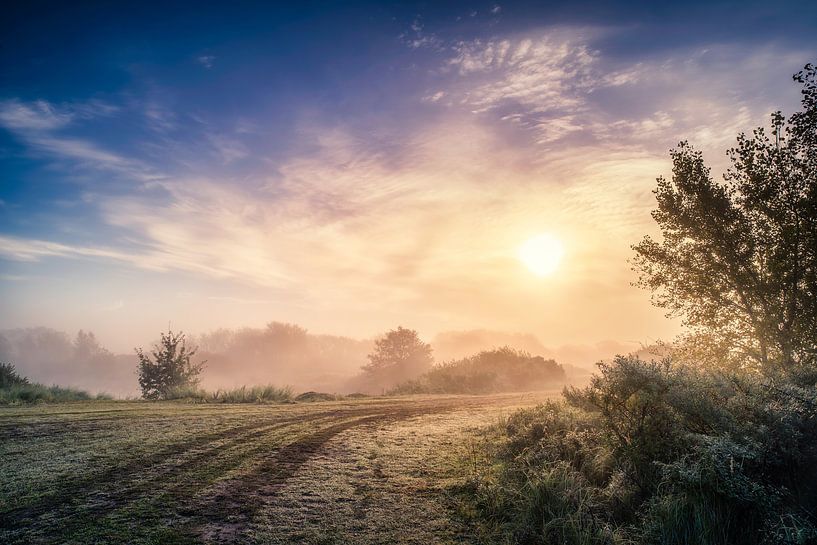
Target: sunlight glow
542, 254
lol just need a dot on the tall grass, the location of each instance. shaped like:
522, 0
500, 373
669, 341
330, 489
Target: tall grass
16, 389
21, 394
243, 394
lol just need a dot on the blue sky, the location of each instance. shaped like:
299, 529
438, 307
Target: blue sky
353, 166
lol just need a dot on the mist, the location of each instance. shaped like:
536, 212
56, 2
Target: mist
280, 353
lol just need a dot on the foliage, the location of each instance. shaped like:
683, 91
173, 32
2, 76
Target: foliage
311, 397
656, 452
10, 377
500, 370
738, 258
398, 356
168, 367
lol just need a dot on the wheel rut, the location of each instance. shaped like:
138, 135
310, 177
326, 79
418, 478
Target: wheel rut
227, 514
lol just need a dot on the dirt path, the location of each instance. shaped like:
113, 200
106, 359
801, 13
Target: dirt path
371, 471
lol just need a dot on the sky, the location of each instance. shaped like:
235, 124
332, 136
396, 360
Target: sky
354, 166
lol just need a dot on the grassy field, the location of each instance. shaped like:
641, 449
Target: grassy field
360, 471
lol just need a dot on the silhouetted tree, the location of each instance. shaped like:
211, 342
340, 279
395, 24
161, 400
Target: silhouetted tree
168, 367
399, 355
738, 259
10, 377
87, 347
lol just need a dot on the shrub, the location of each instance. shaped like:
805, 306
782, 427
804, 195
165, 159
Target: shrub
500, 370
310, 397
168, 371
655, 452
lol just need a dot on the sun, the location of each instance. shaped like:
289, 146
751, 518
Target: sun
542, 254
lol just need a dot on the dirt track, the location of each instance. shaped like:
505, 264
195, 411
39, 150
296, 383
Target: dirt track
368, 471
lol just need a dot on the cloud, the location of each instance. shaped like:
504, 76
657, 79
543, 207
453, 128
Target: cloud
228, 149
541, 83
39, 115
556, 86
418, 38
21, 249
435, 97
206, 60
41, 125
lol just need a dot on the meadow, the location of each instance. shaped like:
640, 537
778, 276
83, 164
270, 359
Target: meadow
179, 472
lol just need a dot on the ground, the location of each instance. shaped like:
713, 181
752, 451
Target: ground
376, 470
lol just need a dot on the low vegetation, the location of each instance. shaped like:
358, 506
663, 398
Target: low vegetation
17, 390
656, 452
500, 370
243, 394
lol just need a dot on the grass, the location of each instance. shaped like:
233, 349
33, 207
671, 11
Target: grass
169, 472
243, 394
16, 389
254, 394
21, 394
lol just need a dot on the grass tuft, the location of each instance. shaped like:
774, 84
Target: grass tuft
243, 394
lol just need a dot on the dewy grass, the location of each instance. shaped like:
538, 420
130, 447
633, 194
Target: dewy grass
243, 394
37, 393
655, 452
86, 472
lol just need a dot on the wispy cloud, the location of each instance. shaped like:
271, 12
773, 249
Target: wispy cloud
21, 249
556, 85
42, 126
206, 60
541, 82
39, 115
417, 37
228, 149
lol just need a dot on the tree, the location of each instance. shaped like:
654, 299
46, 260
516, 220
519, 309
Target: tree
399, 355
10, 377
738, 259
168, 367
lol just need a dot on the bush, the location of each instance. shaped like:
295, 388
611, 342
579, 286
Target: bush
655, 452
311, 397
168, 372
500, 370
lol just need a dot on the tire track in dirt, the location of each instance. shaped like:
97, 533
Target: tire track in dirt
76, 491
73, 507
225, 516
